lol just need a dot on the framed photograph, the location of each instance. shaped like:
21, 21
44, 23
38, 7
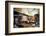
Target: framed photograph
24, 17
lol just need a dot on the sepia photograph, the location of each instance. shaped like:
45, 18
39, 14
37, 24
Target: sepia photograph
26, 17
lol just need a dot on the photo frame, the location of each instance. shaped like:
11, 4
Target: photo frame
21, 19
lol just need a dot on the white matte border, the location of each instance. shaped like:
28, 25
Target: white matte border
29, 29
